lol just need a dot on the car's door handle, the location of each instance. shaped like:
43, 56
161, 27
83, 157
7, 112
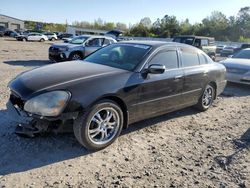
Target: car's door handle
178, 77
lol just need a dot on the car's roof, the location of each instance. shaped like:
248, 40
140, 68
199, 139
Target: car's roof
157, 44
201, 37
96, 36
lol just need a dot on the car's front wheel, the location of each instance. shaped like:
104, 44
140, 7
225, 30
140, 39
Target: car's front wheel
207, 98
42, 40
100, 126
75, 56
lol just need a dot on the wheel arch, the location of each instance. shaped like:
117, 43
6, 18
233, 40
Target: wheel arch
122, 105
78, 52
214, 85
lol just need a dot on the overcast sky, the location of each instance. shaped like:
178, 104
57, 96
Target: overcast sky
126, 11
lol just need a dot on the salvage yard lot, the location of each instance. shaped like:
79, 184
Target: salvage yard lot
180, 149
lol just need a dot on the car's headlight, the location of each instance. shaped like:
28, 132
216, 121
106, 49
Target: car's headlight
48, 104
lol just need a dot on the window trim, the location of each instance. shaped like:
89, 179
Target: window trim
188, 50
162, 51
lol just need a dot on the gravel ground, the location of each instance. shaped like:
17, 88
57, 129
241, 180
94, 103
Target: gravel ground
180, 149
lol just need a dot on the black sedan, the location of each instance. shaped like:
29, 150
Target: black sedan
114, 87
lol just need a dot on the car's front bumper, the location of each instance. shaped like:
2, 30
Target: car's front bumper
238, 78
58, 56
15, 107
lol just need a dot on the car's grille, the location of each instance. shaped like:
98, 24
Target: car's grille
16, 100
54, 49
237, 70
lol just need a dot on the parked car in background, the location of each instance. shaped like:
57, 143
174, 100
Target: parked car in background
67, 40
51, 36
207, 44
227, 51
219, 48
65, 35
238, 67
10, 33
117, 85
32, 37
116, 34
2, 30
78, 47
243, 46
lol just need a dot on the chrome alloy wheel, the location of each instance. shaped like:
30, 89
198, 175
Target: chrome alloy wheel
104, 126
207, 98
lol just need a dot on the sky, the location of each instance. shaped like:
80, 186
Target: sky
125, 11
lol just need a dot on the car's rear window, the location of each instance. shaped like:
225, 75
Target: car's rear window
123, 56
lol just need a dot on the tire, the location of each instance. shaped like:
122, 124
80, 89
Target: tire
42, 40
52, 39
102, 132
206, 99
75, 56
24, 39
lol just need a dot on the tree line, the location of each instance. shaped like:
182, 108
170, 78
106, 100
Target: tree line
218, 25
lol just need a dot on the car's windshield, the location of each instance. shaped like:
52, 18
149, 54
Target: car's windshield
78, 40
185, 40
243, 54
122, 56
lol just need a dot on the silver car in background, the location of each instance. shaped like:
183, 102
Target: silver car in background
238, 67
78, 47
51, 36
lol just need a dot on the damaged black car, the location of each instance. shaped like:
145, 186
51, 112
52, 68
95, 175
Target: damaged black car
117, 85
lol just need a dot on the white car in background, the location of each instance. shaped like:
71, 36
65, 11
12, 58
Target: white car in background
36, 37
51, 36
238, 67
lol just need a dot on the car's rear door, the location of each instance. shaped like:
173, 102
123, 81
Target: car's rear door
92, 45
161, 92
195, 75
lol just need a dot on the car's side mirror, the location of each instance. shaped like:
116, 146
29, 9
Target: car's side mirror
156, 69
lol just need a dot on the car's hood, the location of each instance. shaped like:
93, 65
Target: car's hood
237, 63
58, 75
66, 45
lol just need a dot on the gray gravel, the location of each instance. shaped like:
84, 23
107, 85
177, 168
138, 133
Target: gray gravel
180, 149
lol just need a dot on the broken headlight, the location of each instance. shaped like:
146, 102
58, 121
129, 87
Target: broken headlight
48, 104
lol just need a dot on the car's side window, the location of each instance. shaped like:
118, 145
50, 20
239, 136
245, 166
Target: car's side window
204, 42
203, 59
96, 42
189, 58
106, 42
167, 58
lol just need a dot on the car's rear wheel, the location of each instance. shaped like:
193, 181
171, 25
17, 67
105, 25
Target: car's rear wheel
207, 98
53, 39
75, 56
42, 40
100, 126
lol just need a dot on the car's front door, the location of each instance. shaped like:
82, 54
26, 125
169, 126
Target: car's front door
160, 93
31, 36
196, 76
92, 45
